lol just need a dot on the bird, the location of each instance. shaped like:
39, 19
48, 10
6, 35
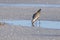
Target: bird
35, 16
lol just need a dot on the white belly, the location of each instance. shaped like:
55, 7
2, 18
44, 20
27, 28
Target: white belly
35, 18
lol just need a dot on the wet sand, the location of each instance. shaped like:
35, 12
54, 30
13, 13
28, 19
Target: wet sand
14, 32
31, 1
11, 32
26, 12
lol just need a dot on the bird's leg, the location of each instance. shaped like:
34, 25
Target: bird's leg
39, 22
33, 24
36, 23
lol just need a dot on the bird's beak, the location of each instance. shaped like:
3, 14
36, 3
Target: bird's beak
39, 10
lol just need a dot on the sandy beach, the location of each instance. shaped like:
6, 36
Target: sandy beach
13, 32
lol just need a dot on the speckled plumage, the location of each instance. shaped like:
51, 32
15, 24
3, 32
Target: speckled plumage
35, 16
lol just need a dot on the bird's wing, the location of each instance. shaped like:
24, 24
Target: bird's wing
34, 15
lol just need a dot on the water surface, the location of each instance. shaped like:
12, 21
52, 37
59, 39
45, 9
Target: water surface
34, 5
43, 24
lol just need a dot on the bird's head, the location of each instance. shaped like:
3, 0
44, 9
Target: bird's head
39, 10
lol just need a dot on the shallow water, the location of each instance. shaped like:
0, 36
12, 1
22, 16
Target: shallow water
43, 24
34, 5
